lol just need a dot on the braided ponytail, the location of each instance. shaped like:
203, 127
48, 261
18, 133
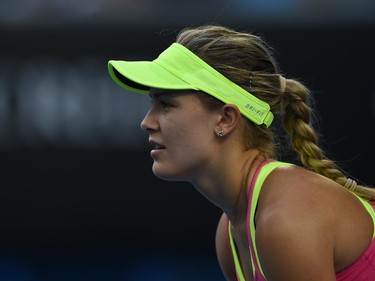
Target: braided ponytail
297, 123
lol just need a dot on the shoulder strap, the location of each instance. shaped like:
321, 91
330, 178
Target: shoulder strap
237, 265
256, 185
370, 209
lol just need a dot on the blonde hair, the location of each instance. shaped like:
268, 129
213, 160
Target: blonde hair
247, 60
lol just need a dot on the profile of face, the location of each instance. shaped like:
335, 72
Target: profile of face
181, 132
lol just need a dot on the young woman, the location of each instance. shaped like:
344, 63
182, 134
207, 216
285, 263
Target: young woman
215, 93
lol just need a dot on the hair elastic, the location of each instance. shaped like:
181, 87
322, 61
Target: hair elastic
350, 184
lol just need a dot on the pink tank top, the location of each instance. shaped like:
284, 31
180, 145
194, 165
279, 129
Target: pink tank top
361, 270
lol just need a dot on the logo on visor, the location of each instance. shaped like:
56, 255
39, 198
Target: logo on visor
254, 110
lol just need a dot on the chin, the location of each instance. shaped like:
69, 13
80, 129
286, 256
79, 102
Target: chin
166, 175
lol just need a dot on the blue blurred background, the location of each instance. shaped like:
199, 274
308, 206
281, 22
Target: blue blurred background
78, 200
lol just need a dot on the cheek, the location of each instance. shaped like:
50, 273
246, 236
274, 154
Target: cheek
190, 131
195, 141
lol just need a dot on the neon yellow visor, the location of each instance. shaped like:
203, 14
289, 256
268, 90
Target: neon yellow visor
177, 68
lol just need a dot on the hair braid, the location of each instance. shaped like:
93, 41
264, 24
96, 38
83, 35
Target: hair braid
297, 123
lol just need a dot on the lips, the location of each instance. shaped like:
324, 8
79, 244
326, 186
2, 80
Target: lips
156, 146
157, 149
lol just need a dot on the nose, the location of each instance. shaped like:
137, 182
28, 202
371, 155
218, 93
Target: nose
149, 122
144, 124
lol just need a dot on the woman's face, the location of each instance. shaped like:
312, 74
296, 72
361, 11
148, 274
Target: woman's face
181, 132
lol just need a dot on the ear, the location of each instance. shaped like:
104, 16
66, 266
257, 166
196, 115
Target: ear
229, 117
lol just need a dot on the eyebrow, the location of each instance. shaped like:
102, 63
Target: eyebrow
156, 94
159, 93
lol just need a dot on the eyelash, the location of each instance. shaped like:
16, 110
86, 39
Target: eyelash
161, 102
164, 103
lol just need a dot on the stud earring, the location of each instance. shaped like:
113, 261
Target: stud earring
220, 133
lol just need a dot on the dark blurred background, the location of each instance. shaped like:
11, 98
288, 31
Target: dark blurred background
78, 199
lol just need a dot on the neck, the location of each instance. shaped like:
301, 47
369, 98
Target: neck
238, 211
227, 185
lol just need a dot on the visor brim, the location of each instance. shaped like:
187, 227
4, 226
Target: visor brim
140, 76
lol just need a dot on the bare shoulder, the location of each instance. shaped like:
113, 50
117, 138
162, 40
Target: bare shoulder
293, 188
303, 222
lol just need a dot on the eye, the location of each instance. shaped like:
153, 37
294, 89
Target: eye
161, 101
164, 103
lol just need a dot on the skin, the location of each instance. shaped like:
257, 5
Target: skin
307, 226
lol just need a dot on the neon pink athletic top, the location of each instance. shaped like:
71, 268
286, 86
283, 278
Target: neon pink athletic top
361, 270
